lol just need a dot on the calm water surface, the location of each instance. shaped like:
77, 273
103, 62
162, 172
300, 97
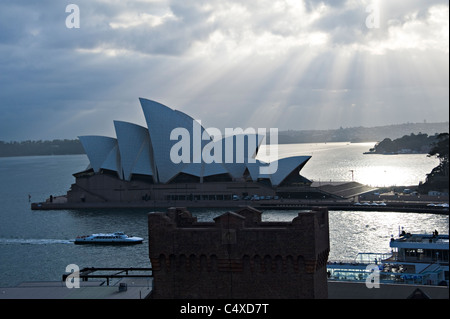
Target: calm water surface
36, 246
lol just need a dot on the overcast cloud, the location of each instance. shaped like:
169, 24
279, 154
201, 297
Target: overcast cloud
284, 64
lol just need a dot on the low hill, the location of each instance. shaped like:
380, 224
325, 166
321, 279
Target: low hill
360, 134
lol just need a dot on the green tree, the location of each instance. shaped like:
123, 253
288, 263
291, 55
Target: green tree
440, 149
438, 178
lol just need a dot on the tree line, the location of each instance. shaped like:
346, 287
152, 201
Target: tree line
413, 143
32, 148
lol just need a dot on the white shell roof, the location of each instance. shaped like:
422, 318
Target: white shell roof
97, 148
134, 148
241, 149
161, 120
286, 166
140, 150
112, 161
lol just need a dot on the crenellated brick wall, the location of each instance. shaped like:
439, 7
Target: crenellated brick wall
238, 256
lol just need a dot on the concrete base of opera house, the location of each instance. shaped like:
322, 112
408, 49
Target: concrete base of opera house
113, 193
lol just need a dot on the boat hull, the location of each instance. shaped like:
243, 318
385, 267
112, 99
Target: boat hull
107, 242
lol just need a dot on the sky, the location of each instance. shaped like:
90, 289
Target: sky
285, 64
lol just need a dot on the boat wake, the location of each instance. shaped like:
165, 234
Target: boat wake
26, 241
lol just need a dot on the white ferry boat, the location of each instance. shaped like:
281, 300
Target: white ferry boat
415, 259
117, 238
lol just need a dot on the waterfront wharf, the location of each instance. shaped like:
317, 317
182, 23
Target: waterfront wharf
284, 204
334, 195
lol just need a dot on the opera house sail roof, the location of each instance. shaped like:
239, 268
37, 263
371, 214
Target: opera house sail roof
148, 151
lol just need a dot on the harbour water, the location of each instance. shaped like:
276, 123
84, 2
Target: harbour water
37, 246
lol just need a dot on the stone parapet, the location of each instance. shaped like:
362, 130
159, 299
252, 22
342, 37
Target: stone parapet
238, 255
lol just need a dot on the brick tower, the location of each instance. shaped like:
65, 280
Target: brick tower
238, 255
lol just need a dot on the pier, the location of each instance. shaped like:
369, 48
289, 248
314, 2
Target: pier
284, 204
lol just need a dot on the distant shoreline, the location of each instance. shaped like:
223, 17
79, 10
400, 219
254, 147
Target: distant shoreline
341, 135
37, 148
31, 155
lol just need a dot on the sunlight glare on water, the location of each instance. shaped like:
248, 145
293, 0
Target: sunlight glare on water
347, 161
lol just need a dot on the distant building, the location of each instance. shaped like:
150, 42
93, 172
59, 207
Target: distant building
238, 255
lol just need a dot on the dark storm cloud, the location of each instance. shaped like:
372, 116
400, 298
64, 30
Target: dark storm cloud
229, 62
346, 24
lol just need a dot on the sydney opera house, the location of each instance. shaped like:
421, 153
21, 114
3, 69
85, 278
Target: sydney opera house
144, 164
